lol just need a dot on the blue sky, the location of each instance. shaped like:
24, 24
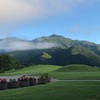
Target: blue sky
29, 19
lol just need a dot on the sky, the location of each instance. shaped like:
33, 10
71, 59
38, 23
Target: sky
29, 19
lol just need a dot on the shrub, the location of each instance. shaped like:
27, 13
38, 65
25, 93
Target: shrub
32, 81
3, 80
12, 80
23, 78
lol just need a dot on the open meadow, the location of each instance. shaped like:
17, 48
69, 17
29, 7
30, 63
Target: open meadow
55, 91
76, 71
61, 90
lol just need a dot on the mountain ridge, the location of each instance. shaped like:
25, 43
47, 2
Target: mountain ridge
58, 56
65, 51
56, 39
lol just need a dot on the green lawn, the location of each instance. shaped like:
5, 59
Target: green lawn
78, 68
34, 70
55, 91
75, 71
76, 75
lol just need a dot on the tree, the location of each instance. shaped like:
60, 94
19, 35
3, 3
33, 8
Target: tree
7, 62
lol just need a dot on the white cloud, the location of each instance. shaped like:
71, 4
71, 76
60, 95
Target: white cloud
18, 10
15, 11
12, 44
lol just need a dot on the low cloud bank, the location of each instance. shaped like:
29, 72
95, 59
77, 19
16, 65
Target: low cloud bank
12, 45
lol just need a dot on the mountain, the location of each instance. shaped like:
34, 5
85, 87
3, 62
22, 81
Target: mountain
58, 56
54, 41
54, 49
57, 39
66, 42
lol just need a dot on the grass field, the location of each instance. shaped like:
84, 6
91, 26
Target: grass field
76, 75
77, 71
35, 70
78, 68
67, 72
55, 91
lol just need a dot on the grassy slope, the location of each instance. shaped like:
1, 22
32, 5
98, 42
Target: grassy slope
78, 68
76, 75
77, 71
35, 70
55, 91
68, 72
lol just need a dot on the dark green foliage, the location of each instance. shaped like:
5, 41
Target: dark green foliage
8, 63
72, 55
46, 58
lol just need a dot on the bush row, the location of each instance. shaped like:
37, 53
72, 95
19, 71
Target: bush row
22, 82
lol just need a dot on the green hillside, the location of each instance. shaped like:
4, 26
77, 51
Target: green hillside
67, 42
58, 56
67, 52
34, 70
78, 68
57, 39
73, 72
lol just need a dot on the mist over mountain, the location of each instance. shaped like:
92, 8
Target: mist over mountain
53, 41
54, 49
66, 42
15, 44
